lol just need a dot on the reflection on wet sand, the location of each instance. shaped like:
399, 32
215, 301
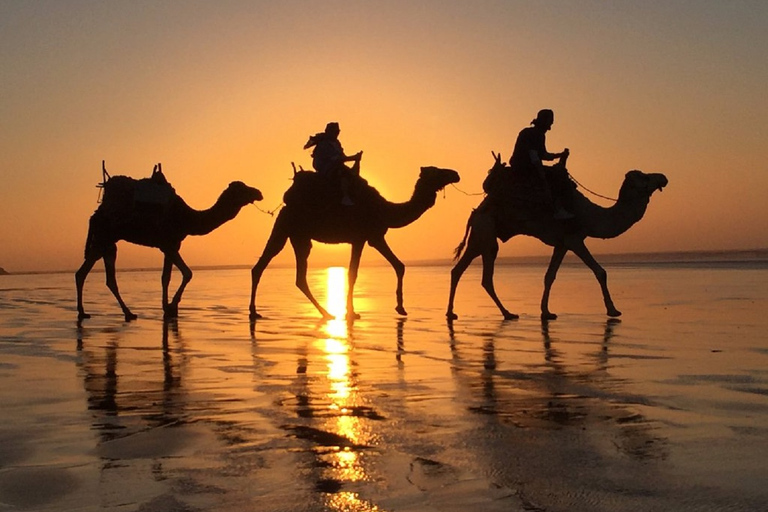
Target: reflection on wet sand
156, 404
135, 411
381, 414
332, 415
549, 401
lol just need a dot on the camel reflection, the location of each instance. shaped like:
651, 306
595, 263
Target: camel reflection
140, 400
556, 393
400, 329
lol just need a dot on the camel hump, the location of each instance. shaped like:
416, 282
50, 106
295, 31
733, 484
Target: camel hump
125, 194
313, 190
152, 191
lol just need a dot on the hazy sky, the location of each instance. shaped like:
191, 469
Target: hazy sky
230, 90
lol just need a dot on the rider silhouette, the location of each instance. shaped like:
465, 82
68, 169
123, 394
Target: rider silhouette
529, 154
329, 159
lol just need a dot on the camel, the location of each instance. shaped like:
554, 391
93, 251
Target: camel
148, 212
486, 225
310, 214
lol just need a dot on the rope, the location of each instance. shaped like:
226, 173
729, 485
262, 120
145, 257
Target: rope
272, 212
467, 193
570, 176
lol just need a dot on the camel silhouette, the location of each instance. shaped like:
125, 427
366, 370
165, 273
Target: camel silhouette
487, 224
148, 212
311, 214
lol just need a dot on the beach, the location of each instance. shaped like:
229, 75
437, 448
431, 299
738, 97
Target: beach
663, 409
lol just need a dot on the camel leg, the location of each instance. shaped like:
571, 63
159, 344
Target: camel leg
80, 276
171, 310
602, 276
110, 257
549, 278
301, 249
275, 244
382, 246
489, 258
456, 272
165, 279
354, 266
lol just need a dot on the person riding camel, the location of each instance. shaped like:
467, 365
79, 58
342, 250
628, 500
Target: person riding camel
527, 161
329, 159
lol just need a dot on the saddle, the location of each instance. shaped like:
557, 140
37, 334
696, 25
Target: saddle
315, 191
516, 197
129, 196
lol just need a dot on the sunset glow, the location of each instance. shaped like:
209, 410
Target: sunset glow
229, 91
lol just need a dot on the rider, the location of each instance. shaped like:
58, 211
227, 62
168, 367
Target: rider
329, 159
528, 156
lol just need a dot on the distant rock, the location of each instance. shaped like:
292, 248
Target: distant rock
3, 272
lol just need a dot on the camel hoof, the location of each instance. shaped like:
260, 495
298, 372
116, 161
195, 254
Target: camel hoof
83, 316
401, 311
510, 316
614, 313
353, 316
451, 316
253, 315
129, 317
548, 316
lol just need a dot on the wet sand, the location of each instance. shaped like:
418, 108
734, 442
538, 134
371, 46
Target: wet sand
666, 409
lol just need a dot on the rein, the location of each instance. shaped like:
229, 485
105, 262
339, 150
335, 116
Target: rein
570, 176
272, 212
467, 193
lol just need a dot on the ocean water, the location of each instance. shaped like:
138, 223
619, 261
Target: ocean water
663, 409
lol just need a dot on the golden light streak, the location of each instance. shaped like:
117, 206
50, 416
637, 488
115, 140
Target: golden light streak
342, 393
336, 302
350, 502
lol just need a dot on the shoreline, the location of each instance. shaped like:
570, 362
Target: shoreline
738, 258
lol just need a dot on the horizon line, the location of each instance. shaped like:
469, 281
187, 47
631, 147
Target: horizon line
708, 256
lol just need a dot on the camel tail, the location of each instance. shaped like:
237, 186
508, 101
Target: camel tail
460, 248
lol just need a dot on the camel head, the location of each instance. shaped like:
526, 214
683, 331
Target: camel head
239, 194
642, 185
435, 178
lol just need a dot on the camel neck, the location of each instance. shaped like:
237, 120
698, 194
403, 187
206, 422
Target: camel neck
398, 215
202, 222
613, 221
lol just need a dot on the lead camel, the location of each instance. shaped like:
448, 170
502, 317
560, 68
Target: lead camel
486, 226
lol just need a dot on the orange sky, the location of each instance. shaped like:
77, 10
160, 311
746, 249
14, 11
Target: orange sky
222, 91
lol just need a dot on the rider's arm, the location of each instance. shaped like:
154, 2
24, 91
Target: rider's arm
353, 158
543, 154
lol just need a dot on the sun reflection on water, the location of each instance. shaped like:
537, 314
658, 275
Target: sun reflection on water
350, 502
336, 302
343, 398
